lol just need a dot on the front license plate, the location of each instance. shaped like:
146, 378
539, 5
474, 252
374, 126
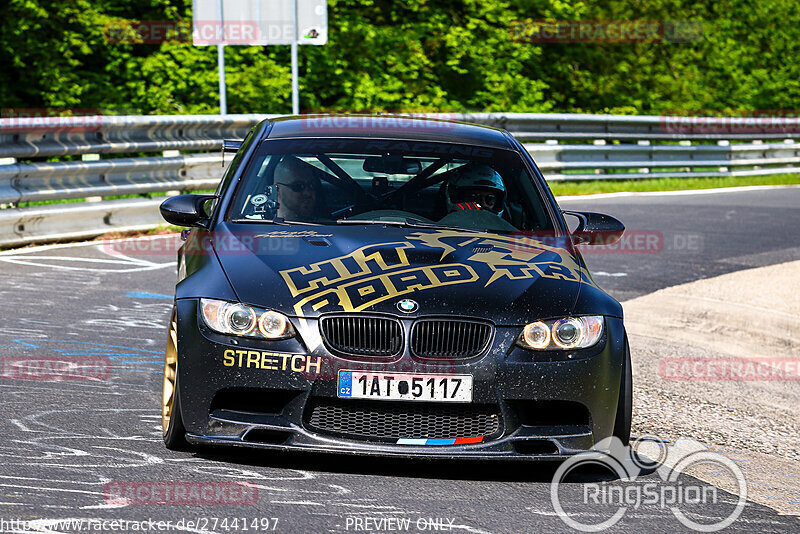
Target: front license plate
400, 386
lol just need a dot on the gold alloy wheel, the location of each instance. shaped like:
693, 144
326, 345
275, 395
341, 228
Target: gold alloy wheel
170, 373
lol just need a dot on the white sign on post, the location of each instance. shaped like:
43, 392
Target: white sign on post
259, 22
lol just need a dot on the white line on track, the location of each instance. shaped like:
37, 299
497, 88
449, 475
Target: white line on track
470, 529
25, 261
38, 248
72, 258
104, 506
684, 192
46, 488
119, 255
298, 503
23, 257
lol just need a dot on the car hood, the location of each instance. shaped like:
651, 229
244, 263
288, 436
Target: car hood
305, 271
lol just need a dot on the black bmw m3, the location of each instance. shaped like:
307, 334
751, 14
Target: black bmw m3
391, 286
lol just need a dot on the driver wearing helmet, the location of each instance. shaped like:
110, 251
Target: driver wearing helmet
475, 187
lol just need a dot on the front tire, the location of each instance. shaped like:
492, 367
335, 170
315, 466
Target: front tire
622, 422
171, 420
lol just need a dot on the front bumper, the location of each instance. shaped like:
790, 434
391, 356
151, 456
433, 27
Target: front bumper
257, 394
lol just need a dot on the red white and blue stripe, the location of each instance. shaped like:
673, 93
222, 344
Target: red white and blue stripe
425, 441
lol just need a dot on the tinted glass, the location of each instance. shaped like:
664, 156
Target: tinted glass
330, 181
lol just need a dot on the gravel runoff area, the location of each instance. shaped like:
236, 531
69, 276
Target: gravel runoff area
685, 341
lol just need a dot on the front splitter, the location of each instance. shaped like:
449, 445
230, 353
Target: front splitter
523, 444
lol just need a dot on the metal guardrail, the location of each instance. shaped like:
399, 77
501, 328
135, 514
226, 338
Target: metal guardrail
654, 161
31, 182
566, 126
58, 222
614, 147
61, 136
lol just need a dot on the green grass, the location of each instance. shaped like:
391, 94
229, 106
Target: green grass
591, 187
46, 202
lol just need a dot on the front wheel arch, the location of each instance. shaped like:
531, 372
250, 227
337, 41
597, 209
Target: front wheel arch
174, 433
624, 414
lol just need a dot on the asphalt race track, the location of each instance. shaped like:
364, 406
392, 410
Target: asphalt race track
692, 235
68, 444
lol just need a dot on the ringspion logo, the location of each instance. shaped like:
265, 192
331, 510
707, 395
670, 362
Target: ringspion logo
599, 504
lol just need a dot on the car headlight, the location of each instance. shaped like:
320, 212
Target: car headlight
565, 334
242, 320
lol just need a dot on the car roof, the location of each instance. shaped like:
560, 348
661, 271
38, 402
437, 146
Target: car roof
396, 127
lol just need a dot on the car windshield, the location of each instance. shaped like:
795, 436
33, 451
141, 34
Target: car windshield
367, 181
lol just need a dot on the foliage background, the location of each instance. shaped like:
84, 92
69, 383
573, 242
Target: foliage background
415, 55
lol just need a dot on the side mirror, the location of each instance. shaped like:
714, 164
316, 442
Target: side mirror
186, 210
595, 228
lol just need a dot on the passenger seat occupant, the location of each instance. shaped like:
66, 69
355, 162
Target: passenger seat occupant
298, 190
475, 186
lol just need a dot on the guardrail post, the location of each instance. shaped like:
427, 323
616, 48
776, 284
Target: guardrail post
723, 143
645, 142
758, 142
92, 157
9, 191
600, 142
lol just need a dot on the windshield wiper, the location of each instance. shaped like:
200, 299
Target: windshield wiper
260, 221
372, 221
408, 222
422, 224
276, 220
